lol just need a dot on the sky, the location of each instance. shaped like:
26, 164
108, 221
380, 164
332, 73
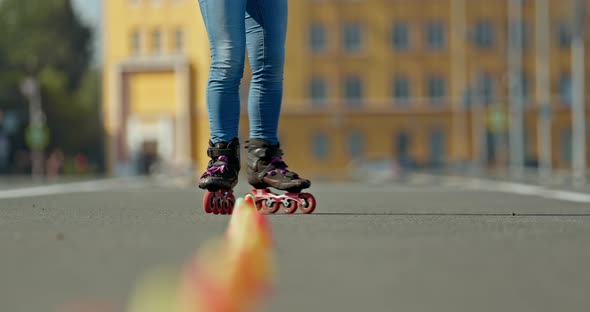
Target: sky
91, 13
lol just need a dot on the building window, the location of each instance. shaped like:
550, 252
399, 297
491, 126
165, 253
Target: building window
564, 36
467, 97
526, 145
437, 147
484, 34
352, 37
566, 146
353, 90
320, 146
356, 144
135, 43
435, 35
317, 91
401, 90
400, 36
565, 88
525, 87
436, 88
156, 42
317, 38
485, 89
179, 41
524, 33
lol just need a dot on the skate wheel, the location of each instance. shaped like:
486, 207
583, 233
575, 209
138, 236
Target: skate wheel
259, 205
217, 204
208, 202
229, 203
223, 206
308, 203
291, 208
270, 206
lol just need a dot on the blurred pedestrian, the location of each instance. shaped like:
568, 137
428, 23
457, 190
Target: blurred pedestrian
54, 165
81, 163
4, 152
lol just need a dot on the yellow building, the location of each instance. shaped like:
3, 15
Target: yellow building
363, 79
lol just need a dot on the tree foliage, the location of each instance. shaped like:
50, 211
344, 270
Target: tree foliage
46, 40
36, 35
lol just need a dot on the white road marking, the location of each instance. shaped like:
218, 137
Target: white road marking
68, 188
525, 189
451, 181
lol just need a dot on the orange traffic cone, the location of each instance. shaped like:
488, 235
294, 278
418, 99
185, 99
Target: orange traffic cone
232, 275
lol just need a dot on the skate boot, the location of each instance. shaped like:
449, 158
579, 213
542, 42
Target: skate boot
221, 177
266, 169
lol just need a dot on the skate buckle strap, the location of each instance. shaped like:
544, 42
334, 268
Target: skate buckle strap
265, 152
216, 168
219, 152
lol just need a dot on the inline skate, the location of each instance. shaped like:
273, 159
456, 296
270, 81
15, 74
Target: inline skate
221, 177
267, 169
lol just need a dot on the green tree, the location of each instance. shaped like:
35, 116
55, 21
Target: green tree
36, 35
46, 40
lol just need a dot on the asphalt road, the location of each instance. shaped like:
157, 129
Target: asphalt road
367, 248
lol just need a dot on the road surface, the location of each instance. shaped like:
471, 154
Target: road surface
428, 247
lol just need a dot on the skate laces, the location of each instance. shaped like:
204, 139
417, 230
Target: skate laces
216, 168
279, 166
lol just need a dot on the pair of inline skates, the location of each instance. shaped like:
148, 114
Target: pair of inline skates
266, 169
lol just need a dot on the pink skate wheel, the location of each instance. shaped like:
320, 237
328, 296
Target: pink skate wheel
308, 203
216, 204
259, 205
273, 208
292, 207
208, 202
222, 205
231, 200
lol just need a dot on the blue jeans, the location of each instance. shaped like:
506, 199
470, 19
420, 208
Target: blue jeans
260, 26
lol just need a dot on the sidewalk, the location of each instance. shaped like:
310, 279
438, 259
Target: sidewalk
12, 182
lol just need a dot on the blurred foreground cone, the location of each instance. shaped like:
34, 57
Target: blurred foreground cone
88, 307
250, 241
235, 274
157, 291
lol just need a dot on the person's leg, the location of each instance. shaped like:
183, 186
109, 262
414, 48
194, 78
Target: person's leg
266, 28
224, 21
